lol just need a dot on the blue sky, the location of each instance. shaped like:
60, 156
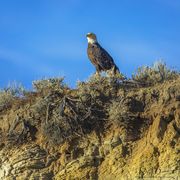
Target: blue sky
43, 38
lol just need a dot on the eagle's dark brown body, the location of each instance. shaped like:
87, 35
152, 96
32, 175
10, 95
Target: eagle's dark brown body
100, 58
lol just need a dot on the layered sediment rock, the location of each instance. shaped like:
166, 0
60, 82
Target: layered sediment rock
134, 134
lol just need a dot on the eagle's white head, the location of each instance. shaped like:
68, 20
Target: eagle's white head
91, 37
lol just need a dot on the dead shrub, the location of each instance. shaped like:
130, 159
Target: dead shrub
7, 95
99, 86
158, 73
49, 85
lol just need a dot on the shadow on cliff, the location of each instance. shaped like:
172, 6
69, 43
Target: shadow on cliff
59, 114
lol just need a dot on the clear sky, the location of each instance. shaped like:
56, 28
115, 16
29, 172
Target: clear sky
46, 38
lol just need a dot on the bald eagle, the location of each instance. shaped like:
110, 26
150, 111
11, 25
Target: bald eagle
99, 57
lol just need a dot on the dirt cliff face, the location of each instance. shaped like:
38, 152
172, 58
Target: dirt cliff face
104, 129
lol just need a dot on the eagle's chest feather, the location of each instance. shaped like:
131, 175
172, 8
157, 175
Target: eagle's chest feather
91, 53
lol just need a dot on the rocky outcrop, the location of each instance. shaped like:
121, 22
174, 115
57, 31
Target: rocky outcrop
101, 131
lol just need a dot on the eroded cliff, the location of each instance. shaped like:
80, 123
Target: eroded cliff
103, 129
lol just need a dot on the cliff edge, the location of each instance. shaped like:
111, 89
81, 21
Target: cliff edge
104, 129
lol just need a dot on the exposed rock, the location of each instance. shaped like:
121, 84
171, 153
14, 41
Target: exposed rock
93, 132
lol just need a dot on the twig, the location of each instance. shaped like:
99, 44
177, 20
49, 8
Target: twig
47, 113
77, 100
14, 125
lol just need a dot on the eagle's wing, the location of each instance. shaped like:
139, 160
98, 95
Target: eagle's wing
104, 60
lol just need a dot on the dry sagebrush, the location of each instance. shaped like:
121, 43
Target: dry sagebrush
7, 95
158, 73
